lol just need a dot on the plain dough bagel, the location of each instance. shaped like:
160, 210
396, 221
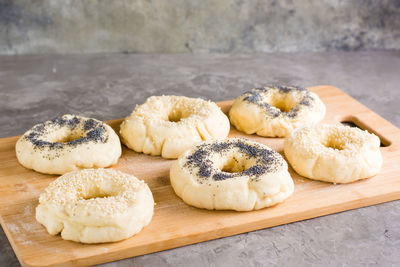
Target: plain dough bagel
95, 206
232, 174
68, 143
333, 153
169, 125
275, 111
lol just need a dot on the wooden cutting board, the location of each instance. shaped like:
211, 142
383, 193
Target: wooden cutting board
174, 223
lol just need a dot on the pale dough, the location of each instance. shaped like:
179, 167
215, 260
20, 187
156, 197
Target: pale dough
68, 143
169, 125
333, 153
275, 111
232, 174
95, 206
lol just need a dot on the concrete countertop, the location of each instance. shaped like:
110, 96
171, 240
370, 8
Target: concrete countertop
107, 86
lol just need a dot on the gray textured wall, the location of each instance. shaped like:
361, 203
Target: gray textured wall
146, 26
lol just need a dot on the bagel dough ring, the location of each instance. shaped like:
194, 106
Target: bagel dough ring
95, 206
275, 111
232, 174
169, 125
333, 153
68, 143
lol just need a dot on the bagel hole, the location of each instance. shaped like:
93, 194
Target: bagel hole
282, 103
96, 195
176, 115
233, 165
335, 145
174, 118
67, 137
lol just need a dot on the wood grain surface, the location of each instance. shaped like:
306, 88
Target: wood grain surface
176, 224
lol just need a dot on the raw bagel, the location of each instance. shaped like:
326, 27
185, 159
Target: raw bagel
68, 143
232, 174
331, 153
275, 111
169, 125
95, 206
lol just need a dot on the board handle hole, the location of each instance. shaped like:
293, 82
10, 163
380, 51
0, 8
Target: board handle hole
354, 122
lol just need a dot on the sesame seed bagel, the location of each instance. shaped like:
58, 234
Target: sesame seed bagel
169, 125
68, 143
333, 153
232, 174
95, 206
275, 111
